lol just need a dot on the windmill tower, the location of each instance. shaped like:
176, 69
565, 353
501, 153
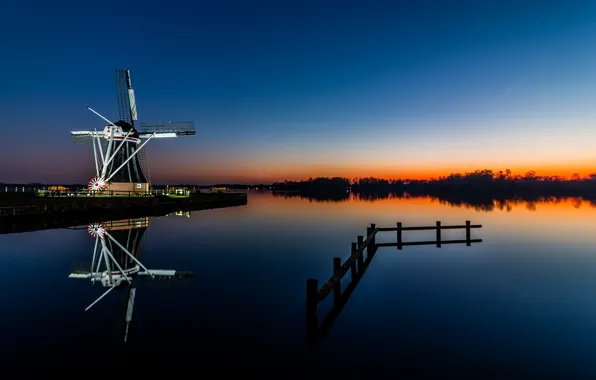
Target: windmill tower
120, 163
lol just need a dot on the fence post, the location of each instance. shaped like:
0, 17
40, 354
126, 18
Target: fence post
360, 241
367, 242
399, 235
337, 288
353, 266
438, 234
373, 240
354, 250
468, 233
312, 290
370, 240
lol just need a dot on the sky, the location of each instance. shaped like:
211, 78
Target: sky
296, 89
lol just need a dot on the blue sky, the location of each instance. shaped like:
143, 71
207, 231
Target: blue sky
291, 89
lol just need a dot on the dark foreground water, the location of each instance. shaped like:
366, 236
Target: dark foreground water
522, 302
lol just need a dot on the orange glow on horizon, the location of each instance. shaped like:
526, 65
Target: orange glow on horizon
249, 177
563, 172
250, 171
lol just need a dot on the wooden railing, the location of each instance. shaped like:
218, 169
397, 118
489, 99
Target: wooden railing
357, 264
438, 227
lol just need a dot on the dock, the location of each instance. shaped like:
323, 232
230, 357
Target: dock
362, 253
22, 212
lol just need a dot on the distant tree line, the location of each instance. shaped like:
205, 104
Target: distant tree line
480, 186
312, 185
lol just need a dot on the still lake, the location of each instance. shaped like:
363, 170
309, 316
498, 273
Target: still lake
521, 302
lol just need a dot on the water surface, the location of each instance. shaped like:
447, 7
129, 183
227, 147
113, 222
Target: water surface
521, 302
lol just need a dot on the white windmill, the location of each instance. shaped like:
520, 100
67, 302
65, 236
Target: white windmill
120, 163
120, 259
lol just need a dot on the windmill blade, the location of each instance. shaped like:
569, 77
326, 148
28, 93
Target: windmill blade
127, 108
82, 137
158, 135
131, 303
166, 277
167, 128
100, 297
80, 270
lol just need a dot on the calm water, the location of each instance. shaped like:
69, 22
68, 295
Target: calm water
521, 302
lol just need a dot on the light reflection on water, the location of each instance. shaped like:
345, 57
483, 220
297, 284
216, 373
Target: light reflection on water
522, 300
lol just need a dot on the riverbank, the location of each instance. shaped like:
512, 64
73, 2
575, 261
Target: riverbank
29, 213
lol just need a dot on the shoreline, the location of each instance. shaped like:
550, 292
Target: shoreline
28, 214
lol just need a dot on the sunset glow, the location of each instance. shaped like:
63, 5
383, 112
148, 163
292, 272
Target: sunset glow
359, 93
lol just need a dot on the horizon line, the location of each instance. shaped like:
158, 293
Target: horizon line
350, 179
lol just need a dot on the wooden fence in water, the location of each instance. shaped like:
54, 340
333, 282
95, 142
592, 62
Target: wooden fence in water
357, 264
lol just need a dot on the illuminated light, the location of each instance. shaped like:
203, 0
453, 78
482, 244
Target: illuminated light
96, 230
97, 184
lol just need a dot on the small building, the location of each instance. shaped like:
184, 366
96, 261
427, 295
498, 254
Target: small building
57, 188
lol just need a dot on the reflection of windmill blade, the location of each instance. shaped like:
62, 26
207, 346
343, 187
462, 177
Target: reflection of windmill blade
167, 273
127, 252
100, 297
158, 272
85, 269
94, 254
131, 302
108, 267
168, 128
94, 272
165, 277
82, 269
124, 275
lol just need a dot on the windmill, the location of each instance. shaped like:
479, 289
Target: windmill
120, 163
119, 251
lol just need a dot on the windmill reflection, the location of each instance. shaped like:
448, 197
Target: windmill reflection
116, 260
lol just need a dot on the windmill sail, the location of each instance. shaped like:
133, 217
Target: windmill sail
82, 137
167, 128
134, 171
125, 93
131, 99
